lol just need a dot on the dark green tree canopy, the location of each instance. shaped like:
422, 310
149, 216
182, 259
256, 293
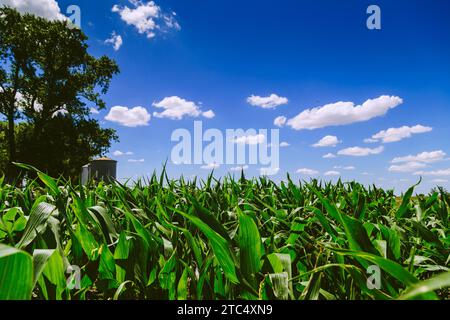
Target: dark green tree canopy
49, 81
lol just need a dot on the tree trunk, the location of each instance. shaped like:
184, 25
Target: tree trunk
12, 170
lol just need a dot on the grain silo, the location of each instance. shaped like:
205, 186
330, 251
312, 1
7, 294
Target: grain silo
101, 169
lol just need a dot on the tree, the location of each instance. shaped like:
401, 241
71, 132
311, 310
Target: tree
4, 152
63, 154
48, 78
15, 61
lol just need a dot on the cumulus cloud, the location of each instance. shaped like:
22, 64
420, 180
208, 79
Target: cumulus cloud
281, 145
146, 17
94, 111
136, 160
360, 152
239, 168
209, 114
177, 108
332, 173
280, 121
327, 141
119, 153
48, 9
269, 102
250, 139
268, 171
329, 156
397, 134
343, 113
407, 167
134, 117
438, 173
210, 166
426, 157
370, 140
116, 41
308, 172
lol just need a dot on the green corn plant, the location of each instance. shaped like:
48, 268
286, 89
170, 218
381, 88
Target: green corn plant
227, 238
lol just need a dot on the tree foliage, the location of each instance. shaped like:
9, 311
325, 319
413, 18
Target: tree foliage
48, 84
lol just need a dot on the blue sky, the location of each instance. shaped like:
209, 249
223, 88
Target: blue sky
216, 54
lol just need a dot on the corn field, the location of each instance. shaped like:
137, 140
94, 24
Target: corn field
228, 238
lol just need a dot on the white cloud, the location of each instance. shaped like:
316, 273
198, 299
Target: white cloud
239, 168
426, 157
134, 117
397, 134
407, 167
146, 17
119, 153
327, 141
440, 180
21, 103
442, 173
209, 114
342, 113
308, 172
345, 168
250, 139
171, 22
280, 121
268, 171
332, 173
176, 108
210, 166
136, 160
370, 140
61, 112
281, 145
116, 41
94, 111
269, 102
48, 9
360, 152
329, 156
